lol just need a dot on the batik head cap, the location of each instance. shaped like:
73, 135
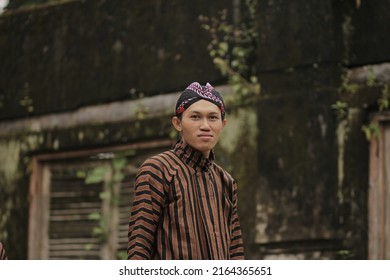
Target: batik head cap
195, 92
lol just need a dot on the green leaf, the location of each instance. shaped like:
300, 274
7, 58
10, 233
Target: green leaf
223, 46
121, 255
96, 175
94, 216
81, 174
371, 130
97, 231
235, 63
254, 79
104, 195
236, 87
118, 177
119, 163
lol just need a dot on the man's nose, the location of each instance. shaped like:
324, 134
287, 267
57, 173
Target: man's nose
205, 124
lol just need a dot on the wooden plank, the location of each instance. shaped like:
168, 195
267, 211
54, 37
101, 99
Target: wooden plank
386, 186
38, 220
379, 192
84, 153
75, 254
73, 241
34, 233
374, 200
106, 208
72, 247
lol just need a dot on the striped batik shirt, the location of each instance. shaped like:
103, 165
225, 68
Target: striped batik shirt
185, 207
2, 252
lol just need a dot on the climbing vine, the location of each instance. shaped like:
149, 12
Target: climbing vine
232, 48
347, 92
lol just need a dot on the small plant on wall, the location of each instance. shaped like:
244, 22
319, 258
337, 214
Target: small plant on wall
347, 93
232, 48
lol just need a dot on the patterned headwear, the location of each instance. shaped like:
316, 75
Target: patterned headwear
195, 92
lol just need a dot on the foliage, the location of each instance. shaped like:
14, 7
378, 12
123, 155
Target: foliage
383, 101
349, 89
26, 101
344, 254
232, 48
114, 168
121, 255
371, 130
341, 109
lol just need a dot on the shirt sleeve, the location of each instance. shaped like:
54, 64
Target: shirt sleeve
236, 242
147, 207
3, 256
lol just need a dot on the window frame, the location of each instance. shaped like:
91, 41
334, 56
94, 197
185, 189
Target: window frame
39, 191
379, 189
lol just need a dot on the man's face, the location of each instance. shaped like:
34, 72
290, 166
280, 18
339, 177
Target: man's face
200, 126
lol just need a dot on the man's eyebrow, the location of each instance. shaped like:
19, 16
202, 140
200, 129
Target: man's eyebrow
199, 112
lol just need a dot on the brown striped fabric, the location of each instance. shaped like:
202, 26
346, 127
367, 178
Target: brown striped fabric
185, 207
3, 256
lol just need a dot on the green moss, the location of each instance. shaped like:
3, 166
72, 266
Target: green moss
232, 133
10, 156
237, 153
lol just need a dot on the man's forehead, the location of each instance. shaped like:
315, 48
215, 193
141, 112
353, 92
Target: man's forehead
203, 106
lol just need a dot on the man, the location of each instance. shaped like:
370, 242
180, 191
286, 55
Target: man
185, 205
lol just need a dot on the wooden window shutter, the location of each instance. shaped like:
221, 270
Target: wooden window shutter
81, 201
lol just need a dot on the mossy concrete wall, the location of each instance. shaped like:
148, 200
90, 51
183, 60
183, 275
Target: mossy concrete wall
302, 174
62, 57
313, 168
236, 151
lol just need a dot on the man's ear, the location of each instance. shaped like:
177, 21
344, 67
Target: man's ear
224, 122
176, 123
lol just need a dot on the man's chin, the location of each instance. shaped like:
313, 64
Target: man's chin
204, 148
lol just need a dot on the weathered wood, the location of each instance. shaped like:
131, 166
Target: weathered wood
386, 186
39, 216
69, 229
379, 192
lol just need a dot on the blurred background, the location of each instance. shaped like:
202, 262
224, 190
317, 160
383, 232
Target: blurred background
87, 90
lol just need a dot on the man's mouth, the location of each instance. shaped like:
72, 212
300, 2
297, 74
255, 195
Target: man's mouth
205, 135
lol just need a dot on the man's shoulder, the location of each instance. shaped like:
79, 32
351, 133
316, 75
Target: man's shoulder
220, 170
161, 160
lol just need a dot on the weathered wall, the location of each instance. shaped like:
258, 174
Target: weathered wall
88, 52
312, 195
236, 151
302, 175
15, 167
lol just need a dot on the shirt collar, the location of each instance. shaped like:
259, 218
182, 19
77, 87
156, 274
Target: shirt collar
192, 157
